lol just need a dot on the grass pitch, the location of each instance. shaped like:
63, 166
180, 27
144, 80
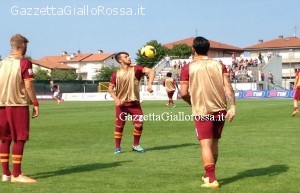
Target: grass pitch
71, 151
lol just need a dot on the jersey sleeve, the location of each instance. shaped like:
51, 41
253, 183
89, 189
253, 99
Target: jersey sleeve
224, 69
184, 75
26, 69
113, 78
139, 71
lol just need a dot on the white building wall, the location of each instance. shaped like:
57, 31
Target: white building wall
110, 62
38, 67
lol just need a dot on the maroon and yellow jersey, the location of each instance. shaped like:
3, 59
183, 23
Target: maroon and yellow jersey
13, 71
127, 83
206, 85
169, 83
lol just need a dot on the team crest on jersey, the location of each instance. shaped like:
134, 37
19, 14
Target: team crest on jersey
30, 72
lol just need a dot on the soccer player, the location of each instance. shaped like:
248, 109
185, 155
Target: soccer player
171, 85
124, 88
205, 84
297, 93
56, 92
16, 94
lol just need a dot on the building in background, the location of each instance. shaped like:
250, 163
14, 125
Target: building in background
86, 65
288, 48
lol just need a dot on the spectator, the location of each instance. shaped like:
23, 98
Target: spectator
175, 65
234, 64
269, 55
167, 58
233, 57
262, 76
255, 63
260, 57
271, 77
179, 64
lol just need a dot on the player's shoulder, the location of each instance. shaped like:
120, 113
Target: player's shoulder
25, 61
138, 66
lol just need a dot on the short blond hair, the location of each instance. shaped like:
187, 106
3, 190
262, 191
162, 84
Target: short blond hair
17, 40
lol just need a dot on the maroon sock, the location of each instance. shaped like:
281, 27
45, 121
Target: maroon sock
210, 172
118, 136
17, 154
4, 156
137, 132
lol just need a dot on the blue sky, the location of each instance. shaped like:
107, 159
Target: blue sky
236, 22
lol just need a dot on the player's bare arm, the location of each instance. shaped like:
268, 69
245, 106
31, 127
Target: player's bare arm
151, 73
184, 91
295, 82
230, 97
111, 90
31, 94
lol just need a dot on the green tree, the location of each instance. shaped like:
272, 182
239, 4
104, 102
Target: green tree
181, 50
161, 52
105, 73
41, 74
57, 74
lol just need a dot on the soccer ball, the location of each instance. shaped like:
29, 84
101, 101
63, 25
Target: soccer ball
148, 51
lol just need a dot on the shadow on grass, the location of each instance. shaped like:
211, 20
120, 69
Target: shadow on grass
172, 146
267, 171
78, 169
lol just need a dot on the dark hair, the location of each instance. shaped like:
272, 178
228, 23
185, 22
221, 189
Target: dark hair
118, 55
169, 74
201, 45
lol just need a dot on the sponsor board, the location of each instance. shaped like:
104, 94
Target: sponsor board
105, 96
44, 97
264, 94
162, 95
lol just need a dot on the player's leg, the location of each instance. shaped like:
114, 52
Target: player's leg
18, 119
218, 126
204, 131
296, 99
215, 150
55, 97
4, 145
17, 155
137, 114
168, 104
119, 126
170, 94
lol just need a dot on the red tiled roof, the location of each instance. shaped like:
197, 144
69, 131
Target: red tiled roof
97, 57
213, 44
66, 58
79, 57
51, 65
287, 42
54, 59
